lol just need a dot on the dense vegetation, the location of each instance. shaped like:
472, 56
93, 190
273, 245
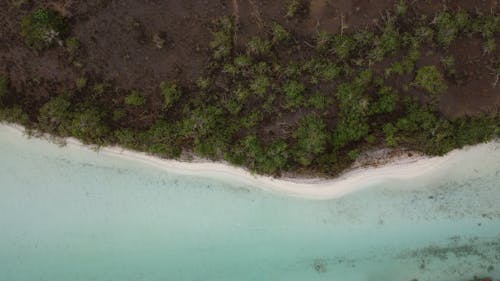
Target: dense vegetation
339, 91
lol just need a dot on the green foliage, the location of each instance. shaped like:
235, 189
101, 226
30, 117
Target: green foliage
15, 115
258, 46
294, 93
363, 38
162, 139
353, 154
243, 62
280, 34
89, 126
430, 79
276, 158
386, 102
260, 85
251, 120
449, 25
294, 8
390, 134
424, 34
222, 43
135, 98
323, 40
320, 101
312, 138
171, 93
43, 28
72, 44
405, 66
353, 110
234, 113
55, 116
321, 70
487, 26
118, 115
449, 65
387, 43
400, 8
203, 83
250, 152
470, 131
343, 45
81, 83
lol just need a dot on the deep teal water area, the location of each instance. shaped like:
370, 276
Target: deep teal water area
73, 214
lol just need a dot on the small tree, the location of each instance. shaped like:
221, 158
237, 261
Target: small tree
88, 126
294, 92
42, 28
55, 116
171, 93
312, 138
135, 99
430, 79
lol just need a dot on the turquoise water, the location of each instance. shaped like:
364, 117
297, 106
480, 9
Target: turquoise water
73, 214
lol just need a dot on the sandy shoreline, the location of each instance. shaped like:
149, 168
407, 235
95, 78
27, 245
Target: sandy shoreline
404, 168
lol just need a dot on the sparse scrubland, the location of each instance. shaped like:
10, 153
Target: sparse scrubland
280, 101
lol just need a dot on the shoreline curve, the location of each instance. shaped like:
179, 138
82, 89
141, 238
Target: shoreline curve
308, 188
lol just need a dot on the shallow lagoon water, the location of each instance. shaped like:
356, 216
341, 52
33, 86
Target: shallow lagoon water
74, 214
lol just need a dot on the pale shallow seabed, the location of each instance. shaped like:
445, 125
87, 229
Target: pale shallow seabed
73, 214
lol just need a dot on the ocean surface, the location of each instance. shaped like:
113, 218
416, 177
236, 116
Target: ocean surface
73, 214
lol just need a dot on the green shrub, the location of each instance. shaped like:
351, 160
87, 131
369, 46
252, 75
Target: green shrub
222, 43
449, 25
118, 115
424, 34
55, 116
294, 8
88, 126
72, 44
390, 132
386, 102
161, 139
258, 46
171, 93
343, 45
276, 158
475, 130
405, 66
312, 138
203, 83
15, 115
353, 154
449, 65
364, 38
135, 99
430, 79
320, 101
387, 43
400, 8
353, 110
81, 83
280, 34
43, 28
294, 92
323, 40
260, 85
243, 62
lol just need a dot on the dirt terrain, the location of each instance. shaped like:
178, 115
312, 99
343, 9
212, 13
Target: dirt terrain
136, 44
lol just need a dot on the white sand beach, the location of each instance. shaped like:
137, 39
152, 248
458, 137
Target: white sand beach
320, 189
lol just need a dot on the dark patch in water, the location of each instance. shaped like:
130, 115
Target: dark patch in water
320, 266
